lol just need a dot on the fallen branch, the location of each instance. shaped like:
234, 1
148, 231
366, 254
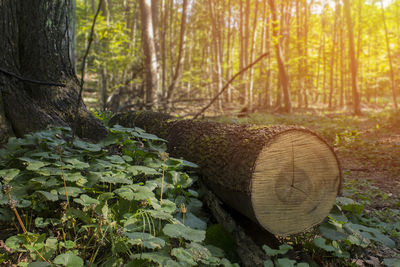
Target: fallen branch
228, 83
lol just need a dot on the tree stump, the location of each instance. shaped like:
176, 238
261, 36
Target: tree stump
285, 178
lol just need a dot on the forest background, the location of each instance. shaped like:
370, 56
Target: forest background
172, 55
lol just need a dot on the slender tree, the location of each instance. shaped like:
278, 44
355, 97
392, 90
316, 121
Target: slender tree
149, 49
181, 55
389, 55
353, 60
283, 75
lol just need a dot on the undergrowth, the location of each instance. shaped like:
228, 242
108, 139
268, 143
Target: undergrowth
121, 202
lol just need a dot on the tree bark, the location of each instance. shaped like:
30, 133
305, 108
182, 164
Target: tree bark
181, 56
284, 178
149, 49
389, 55
283, 75
353, 60
36, 43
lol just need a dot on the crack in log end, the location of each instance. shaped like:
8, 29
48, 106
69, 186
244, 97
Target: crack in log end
292, 186
304, 175
313, 209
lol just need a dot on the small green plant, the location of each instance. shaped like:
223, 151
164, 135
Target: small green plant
279, 257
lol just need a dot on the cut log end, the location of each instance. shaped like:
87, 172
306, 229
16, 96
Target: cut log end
304, 175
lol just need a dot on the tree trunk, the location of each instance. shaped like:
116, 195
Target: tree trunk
389, 54
283, 75
37, 44
181, 56
282, 177
353, 60
149, 49
333, 54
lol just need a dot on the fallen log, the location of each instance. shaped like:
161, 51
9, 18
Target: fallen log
285, 178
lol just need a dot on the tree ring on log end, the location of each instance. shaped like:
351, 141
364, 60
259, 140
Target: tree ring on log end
305, 176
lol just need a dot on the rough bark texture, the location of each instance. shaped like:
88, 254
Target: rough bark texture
233, 160
36, 40
238, 144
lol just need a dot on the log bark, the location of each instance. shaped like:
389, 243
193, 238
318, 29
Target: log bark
285, 178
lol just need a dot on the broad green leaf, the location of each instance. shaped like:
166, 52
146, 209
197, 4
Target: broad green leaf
105, 196
51, 243
47, 195
141, 192
125, 193
159, 214
34, 165
69, 244
337, 215
199, 252
194, 205
48, 181
116, 159
9, 174
39, 222
370, 233
329, 232
192, 221
344, 201
23, 203
215, 251
73, 177
184, 256
189, 164
283, 249
72, 191
86, 146
137, 169
181, 231
69, 260
321, 243
269, 263
79, 214
392, 262
14, 242
166, 206
148, 136
162, 258
358, 240
85, 200
74, 163
145, 239
285, 262
127, 158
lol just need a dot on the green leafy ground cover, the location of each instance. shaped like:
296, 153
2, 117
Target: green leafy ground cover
122, 202
125, 202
